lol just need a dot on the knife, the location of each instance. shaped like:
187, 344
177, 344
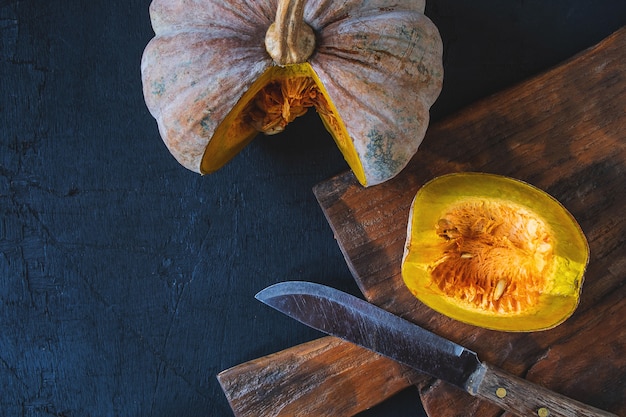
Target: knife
355, 320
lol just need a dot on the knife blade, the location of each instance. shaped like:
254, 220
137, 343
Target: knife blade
355, 320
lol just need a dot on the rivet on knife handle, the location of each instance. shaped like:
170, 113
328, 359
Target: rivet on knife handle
523, 397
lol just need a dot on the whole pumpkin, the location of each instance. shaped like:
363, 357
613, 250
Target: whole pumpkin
218, 72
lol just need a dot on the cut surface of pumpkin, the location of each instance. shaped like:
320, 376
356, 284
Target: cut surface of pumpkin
276, 99
494, 252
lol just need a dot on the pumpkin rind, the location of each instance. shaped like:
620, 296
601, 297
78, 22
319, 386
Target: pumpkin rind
384, 92
561, 252
379, 64
197, 67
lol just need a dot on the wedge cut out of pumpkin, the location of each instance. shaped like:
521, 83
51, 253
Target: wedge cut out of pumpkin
494, 252
218, 72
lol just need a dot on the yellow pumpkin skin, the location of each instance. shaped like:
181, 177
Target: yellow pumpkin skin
377, 63
494, 252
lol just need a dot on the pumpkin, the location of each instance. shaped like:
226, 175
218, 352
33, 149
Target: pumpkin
218, 72
494, 252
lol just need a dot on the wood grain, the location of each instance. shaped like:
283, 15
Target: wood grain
563, 131
295, 382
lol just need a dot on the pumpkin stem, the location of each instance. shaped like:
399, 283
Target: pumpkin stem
289, 40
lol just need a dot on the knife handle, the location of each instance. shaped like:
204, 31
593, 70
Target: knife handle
524, 398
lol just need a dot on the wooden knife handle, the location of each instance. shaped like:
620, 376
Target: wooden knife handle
323, 378
524, 398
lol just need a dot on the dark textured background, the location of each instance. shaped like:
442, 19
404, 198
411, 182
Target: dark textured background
126, 281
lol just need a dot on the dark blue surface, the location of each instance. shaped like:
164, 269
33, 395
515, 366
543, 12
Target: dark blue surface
127, 282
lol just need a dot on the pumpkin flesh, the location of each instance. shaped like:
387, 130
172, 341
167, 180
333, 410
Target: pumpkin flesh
494, 252
277, 98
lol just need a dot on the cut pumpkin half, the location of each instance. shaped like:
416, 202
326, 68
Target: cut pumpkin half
494, 252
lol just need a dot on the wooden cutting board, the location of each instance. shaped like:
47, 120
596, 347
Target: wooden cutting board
563, 131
